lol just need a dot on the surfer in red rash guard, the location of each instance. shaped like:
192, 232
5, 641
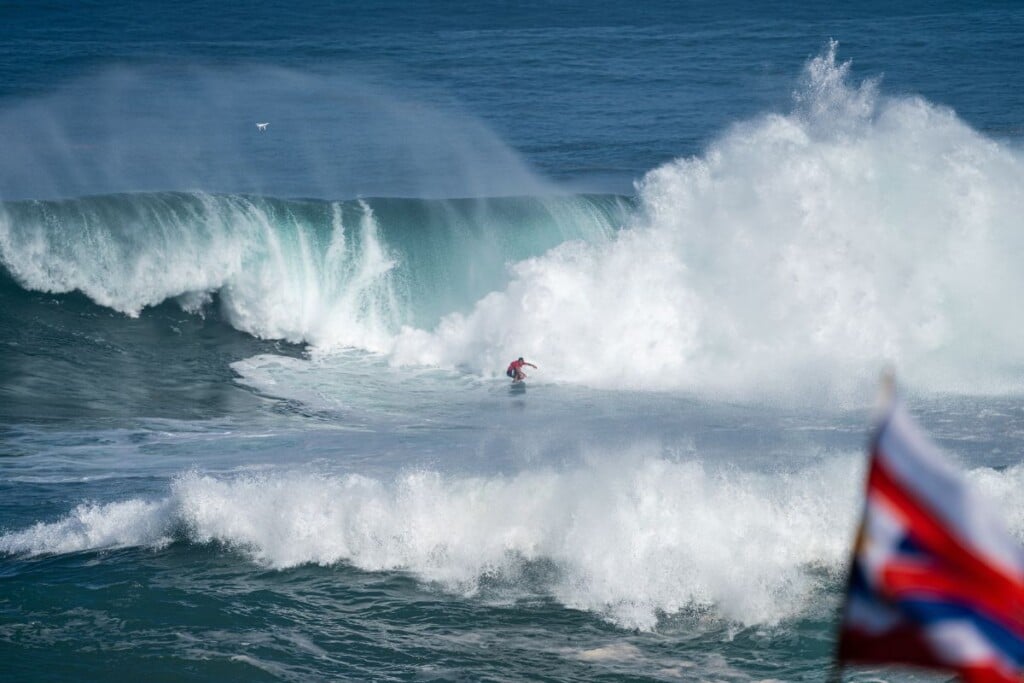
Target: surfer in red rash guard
515, 369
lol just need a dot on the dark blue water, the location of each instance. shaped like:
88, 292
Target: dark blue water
254, 423
587, 93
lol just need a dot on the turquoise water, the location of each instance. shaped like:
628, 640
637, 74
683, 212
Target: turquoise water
254, 423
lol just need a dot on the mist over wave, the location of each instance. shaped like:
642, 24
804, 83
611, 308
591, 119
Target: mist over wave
183, 127
797, 256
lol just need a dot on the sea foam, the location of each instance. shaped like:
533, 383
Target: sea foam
796, 256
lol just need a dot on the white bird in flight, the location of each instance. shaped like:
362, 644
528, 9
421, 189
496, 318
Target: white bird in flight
262, 126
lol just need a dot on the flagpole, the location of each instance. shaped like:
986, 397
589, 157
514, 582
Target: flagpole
883, 407
886, 392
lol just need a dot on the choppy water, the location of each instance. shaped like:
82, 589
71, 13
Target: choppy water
253, 410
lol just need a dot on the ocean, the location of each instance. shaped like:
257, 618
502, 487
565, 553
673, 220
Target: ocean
254, 418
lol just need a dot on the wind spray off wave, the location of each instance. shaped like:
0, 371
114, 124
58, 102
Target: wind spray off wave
181, 127
797, 254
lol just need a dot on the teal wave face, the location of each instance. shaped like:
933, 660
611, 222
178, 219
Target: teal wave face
349, 272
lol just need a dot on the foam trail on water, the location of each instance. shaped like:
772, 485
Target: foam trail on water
795, 257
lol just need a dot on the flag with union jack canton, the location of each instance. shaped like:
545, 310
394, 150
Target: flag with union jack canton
936, 580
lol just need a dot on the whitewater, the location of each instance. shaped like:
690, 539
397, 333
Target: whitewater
261, 431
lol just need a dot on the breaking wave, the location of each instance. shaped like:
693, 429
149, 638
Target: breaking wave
633, 538
795, 257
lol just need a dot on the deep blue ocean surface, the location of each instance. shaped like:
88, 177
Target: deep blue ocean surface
254, 419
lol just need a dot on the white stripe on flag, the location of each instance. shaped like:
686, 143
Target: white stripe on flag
920, 468
959, 643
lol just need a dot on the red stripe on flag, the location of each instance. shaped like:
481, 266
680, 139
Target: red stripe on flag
932, 535
905, 645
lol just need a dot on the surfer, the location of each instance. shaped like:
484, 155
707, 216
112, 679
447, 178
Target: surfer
515, 370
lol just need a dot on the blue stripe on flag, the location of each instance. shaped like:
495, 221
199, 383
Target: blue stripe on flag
999, 637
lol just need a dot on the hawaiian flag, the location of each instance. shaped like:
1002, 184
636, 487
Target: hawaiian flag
936, 580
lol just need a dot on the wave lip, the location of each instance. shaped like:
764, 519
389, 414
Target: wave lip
344, 273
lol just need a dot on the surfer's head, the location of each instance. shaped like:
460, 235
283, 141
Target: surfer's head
520, 357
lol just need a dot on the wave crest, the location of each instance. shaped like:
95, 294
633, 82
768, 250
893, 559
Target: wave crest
630, 537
